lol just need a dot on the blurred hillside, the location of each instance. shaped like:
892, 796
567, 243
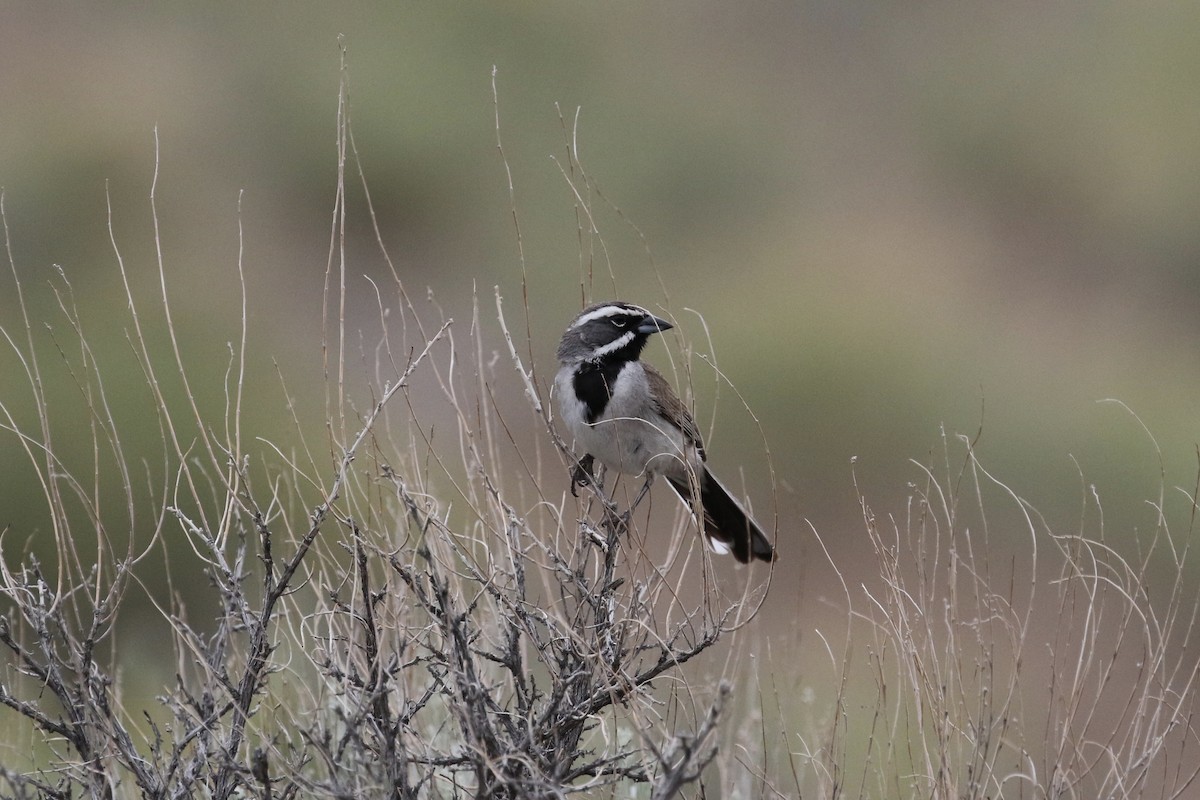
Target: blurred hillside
893, 217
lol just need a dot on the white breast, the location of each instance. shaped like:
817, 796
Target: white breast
629, 436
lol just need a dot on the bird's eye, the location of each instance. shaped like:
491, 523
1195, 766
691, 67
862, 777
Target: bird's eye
620, 322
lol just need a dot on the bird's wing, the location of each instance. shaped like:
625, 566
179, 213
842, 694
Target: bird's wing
671, 407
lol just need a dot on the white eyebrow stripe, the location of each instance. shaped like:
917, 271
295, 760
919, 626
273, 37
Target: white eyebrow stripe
614, 345
604, 312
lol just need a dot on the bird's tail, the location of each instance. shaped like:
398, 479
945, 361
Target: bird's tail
727, 526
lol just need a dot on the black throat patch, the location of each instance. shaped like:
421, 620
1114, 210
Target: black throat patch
594, 382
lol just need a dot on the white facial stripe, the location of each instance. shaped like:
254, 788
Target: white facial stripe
603, 312
614, 345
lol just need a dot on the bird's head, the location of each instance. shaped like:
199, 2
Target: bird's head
608, 329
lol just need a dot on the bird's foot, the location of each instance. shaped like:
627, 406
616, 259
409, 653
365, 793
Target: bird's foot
581, 474
616, 522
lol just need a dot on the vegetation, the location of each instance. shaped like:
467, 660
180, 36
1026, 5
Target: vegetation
412, 605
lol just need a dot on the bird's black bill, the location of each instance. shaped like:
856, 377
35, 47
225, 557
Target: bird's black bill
652, 324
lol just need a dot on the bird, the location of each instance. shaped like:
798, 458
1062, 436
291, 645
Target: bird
623, 413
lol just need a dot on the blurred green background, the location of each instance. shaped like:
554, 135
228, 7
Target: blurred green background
894, 217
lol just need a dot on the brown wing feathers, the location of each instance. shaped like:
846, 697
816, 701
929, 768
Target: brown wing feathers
671, 407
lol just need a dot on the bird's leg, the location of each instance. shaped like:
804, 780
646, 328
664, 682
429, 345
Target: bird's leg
582, 474
628, 515
642, 494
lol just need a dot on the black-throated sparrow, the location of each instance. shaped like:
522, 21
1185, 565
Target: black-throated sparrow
624, 413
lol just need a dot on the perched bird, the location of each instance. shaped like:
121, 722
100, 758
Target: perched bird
622, 412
